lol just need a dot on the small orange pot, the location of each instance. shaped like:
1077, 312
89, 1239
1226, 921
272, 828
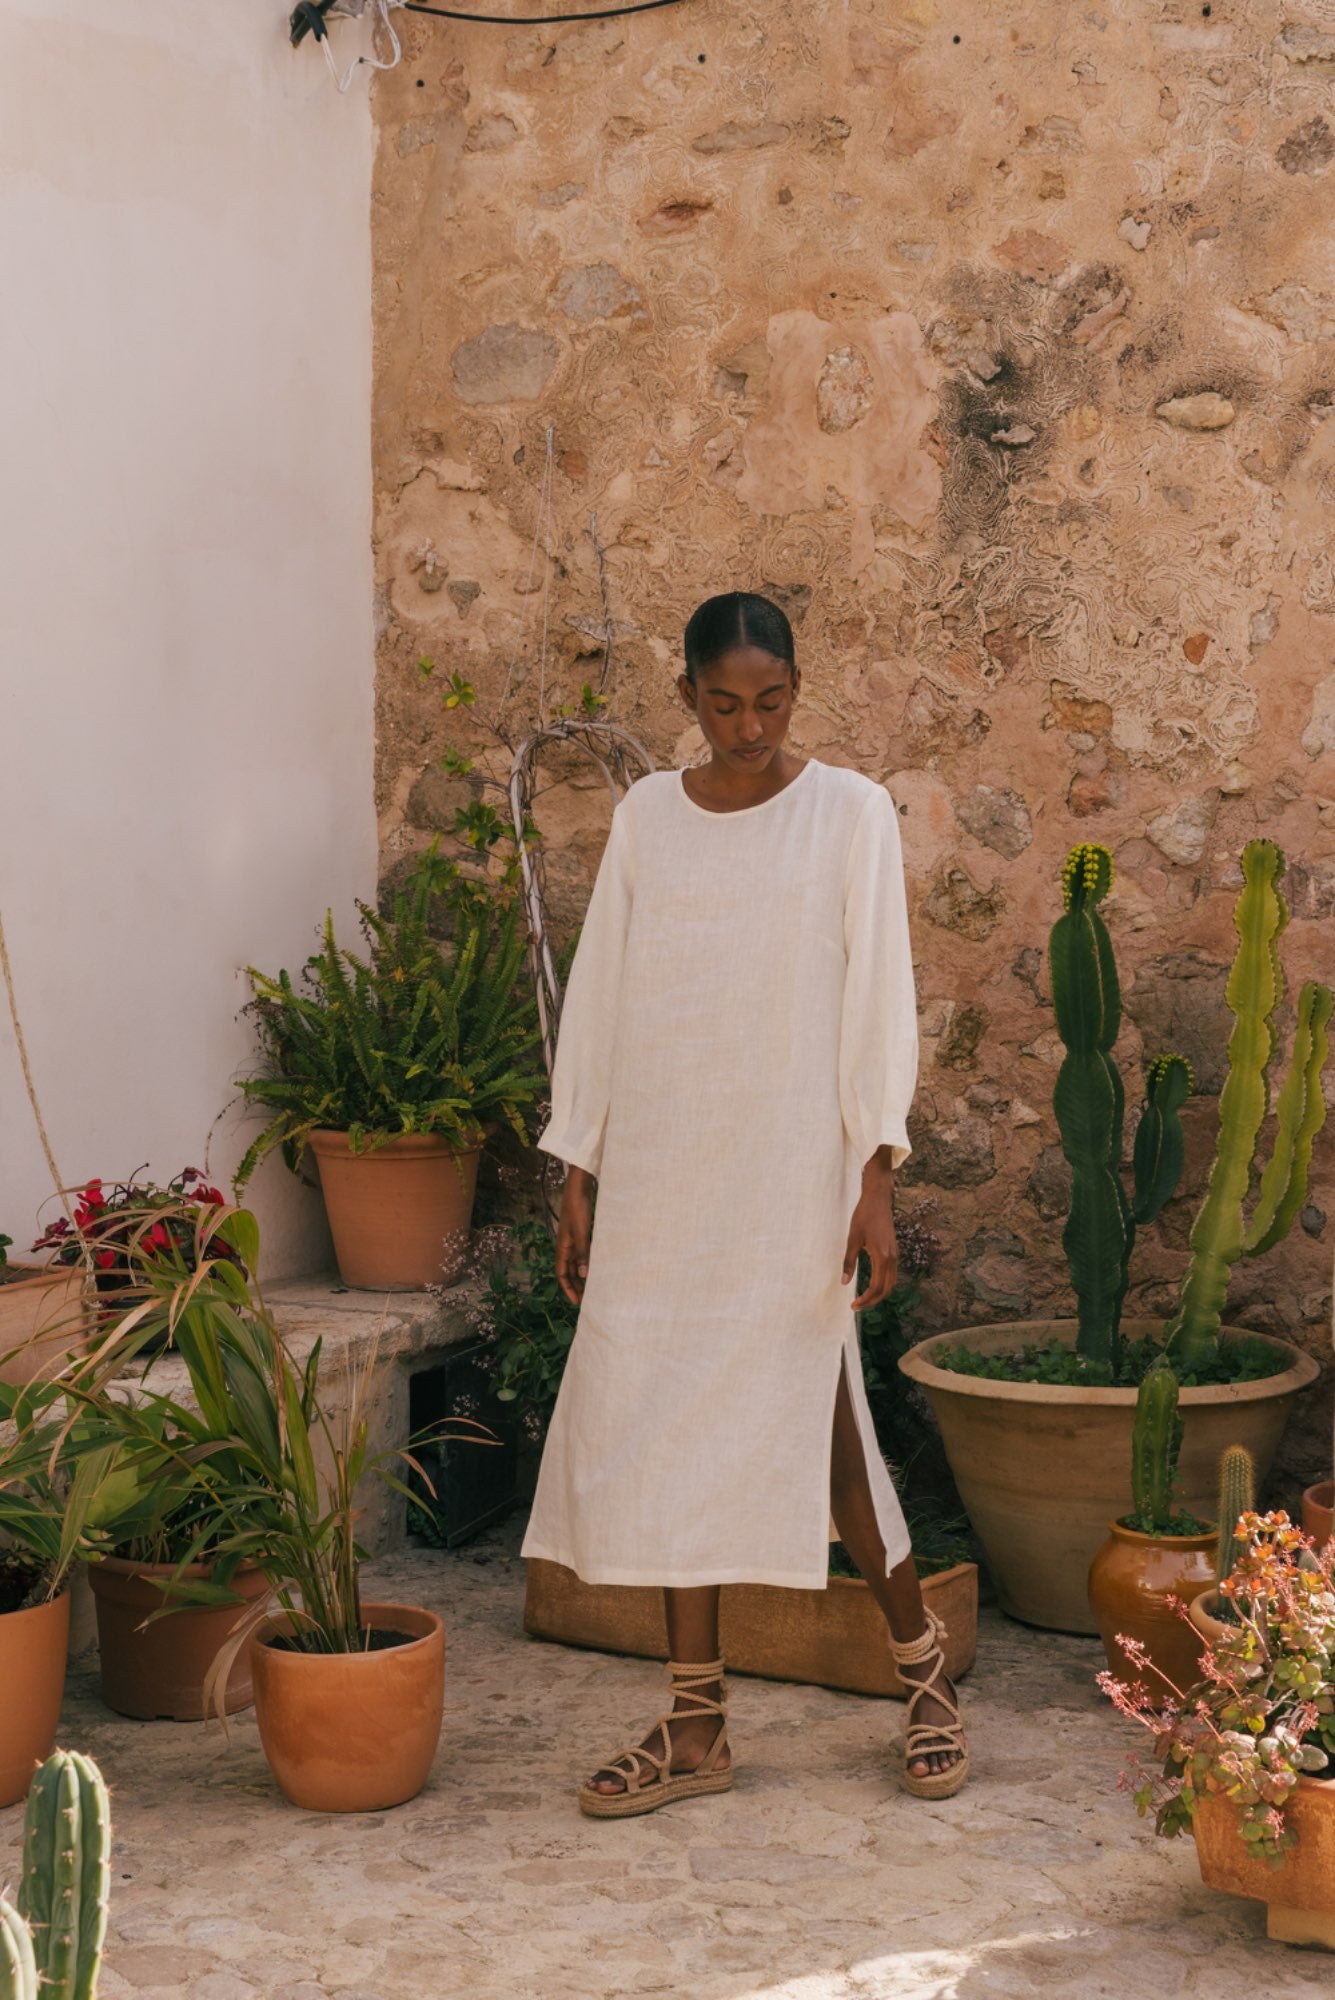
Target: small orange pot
392, 1210
1300, 1894
158, 1672
353, 1732
1318, 1506
1131, 1581
34, 1646
1201, 1612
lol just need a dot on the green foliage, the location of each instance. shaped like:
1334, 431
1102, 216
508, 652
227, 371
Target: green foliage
1220, 1235
1262, 1715
18, 1966
66, 1876
1089, 1102
1239, 1360
414, 1037
1237, 1496
6, 1243
532, 1324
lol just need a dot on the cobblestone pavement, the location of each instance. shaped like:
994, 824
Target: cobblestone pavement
815, 1879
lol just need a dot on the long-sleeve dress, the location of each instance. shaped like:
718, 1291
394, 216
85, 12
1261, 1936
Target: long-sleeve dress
738, 1038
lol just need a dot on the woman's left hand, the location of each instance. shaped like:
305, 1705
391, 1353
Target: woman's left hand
872, 1231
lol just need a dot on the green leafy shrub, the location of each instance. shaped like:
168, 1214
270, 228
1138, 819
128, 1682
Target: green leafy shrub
416, 1036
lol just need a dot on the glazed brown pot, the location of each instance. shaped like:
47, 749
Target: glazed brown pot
1318, 1506
34, 1646
827, 1638
353, 1732
41, 1320
157, 1672
392, 1210
1135, 1583
1042, 1467
1300, 1894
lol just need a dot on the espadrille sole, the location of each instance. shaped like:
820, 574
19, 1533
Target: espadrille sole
628, 1805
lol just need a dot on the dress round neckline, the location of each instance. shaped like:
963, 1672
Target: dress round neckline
744, 812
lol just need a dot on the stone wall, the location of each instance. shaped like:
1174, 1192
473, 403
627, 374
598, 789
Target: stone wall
998, 344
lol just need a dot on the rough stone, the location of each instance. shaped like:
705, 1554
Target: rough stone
506, 364
958, 1045
995, 1272
734, 138
954, 1154
595, 291
1049, 1185
958, 904
1309, 888
1181, 832
1319, 735
1177, 1001
999, 819
1309, 149
437, 797
1206, 411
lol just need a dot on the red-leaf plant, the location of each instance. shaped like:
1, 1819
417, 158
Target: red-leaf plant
134, 1218
1262, 1715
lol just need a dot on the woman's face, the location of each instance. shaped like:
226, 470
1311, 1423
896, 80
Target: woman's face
743, 702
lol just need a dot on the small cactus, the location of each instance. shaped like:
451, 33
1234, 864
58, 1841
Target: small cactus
1090, 1103
1255, 989
1237, 1496
1156, 1440
18, 1967
66, 1876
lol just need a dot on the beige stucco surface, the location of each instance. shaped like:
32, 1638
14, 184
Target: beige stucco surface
998, 344
816, 1878
185, 579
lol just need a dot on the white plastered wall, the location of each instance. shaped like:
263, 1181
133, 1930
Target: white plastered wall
186, 719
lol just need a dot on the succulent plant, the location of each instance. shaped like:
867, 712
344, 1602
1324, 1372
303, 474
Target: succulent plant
1156, 1440
53, 1941
1090, 1103
1221, 1234
1237, 1496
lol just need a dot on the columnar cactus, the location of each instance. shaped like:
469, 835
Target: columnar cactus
66, 1876
18, 1967
1089, 1101
1156, 1439
1237, 1496
1255, 989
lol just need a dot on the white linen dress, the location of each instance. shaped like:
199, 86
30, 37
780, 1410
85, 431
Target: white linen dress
738, 1038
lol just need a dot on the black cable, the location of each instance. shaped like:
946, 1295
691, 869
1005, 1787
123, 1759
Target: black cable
536, 20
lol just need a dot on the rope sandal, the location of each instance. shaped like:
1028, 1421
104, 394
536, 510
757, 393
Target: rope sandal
927, 1739
650, 1780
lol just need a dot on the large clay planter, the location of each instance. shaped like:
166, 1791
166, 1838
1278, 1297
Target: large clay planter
1136, 1583
1300, 1894
157, 1671
1318, 1506
34, 1646
828, 1638
353, 1732
1042, 1468
41, 1321
392, 1210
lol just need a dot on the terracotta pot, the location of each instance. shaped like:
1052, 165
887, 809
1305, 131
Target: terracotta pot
1042, 1468
353, 1732
392, 1210
41, 1320
34, 1646
158, 1672
828, 1638
1201, 1611
1318, 1504
1300, 1894
1131, 1582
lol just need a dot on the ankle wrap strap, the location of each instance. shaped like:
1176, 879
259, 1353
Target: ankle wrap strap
914, 1652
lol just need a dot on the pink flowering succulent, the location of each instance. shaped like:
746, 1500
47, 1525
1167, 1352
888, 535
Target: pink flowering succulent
1262, 1715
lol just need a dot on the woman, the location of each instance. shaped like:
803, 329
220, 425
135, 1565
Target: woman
737, 1054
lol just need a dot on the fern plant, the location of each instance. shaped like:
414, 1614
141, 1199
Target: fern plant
418, 1035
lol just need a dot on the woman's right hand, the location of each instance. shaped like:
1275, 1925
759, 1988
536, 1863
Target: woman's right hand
574, 1229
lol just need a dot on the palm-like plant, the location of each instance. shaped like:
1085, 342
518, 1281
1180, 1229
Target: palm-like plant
418, 1036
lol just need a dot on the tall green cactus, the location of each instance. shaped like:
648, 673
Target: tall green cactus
1090, 1104
1255, 989
1156, 1440
66, 1876
1237, 1496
